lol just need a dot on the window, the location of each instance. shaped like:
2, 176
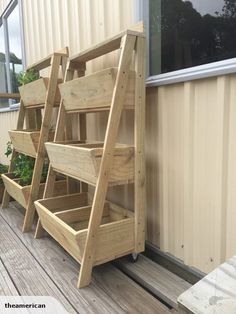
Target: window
10, 52
185, 34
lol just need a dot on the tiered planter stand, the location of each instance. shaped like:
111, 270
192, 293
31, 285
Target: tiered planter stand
42, 94
90, 228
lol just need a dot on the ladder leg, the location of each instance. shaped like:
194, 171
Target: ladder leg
48, 192
6, 199
41, 153
39, 230
88, 259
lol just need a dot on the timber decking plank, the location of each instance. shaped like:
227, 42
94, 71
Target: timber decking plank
6, 284
26, 274
102, 296
59, 266
134, 298
158, 280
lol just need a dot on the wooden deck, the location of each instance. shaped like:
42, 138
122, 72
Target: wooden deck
41, 267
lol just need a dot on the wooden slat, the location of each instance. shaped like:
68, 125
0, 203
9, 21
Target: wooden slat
28, 276
158, 280
110, 290
135, 300
10, 95
6, 284
46, 62
104, 47
139, 138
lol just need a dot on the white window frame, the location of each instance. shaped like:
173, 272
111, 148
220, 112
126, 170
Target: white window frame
141, 12
3, 22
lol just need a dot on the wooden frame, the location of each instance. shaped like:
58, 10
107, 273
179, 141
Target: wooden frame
88, 245
40, 94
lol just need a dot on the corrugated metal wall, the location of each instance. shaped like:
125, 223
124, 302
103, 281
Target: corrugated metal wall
190, 135
191, 166
51, 25
7, 122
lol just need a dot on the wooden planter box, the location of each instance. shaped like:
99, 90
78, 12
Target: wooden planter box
94, 92
26, 141
21, 193
66, 219
82, 161
34, 93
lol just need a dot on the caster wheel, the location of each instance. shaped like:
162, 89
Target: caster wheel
134, 257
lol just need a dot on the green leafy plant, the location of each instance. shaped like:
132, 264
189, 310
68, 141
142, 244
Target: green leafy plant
27, 77
24, 166
3, 169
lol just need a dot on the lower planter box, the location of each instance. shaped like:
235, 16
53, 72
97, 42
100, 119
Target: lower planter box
82, 161
66, 218
21, 193
26, 141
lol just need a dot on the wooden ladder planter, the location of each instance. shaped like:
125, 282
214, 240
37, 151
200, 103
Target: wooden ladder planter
33, 130
89, 227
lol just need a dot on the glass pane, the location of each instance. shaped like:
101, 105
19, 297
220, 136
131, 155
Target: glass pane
3, 78
189, 33
13, 23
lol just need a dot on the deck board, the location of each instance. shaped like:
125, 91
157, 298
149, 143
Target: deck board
111, 291
161, 282
134, 297
6, 284
27, 275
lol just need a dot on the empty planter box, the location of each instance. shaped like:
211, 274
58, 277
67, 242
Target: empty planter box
94, 92
26, 141
66, 219
82, 161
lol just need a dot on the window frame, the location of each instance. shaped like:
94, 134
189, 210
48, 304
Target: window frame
3, 23
141, 12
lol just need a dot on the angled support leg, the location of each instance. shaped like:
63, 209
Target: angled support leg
30, 210
59, 136
139, 133
127, 48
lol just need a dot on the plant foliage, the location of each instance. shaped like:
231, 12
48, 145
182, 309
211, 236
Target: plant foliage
24, 166
3, 169
28, 76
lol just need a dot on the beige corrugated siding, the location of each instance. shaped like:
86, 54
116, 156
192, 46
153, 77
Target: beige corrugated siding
51, 25
3, 5
191, 167
7, 122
